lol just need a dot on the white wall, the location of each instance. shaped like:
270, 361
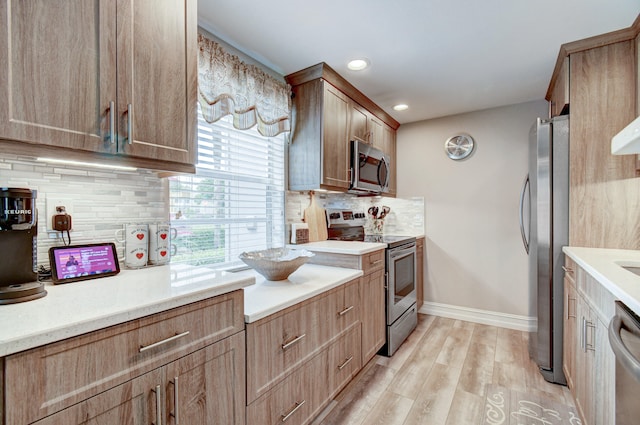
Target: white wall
475, 259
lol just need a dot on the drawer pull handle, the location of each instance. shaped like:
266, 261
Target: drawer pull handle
297, 406
346, 362
345, 311
176, 398
112, 122
293, 341
569, 314
567, 269
158, 406
164, 341
373, 263
130, 123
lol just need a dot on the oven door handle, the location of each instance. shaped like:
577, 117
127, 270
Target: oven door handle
399, 253
623, 355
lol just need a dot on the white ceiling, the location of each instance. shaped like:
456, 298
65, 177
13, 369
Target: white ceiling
441, 57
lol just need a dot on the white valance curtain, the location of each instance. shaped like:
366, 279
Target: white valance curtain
226, 85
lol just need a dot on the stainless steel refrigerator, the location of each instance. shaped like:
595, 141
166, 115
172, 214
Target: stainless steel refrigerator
544, 223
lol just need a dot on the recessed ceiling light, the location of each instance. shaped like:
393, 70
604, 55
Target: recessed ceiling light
358, 64
401, 107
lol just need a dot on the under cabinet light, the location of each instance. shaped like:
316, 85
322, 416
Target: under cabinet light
86, 164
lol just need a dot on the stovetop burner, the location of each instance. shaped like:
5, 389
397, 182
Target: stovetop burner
348, 225
391, 240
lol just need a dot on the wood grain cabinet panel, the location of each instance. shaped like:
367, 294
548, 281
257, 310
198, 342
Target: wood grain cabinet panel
570, 329
559, 96
204, 387
373, 314
67, 372
328, 113
100, 77
344, 361
588, 361
420, 264
279, 343
296, 399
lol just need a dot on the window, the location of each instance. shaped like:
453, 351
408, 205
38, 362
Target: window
235, 201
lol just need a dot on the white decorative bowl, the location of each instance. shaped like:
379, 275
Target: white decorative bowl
276, 263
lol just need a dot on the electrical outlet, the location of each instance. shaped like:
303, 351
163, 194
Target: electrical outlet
52, 203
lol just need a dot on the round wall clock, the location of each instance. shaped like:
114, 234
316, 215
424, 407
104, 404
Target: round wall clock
459, 146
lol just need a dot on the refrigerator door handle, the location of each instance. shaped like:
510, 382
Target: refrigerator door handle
522, 232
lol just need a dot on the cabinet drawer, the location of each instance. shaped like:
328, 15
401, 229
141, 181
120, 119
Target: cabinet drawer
279, 343
344, 310
373, 261
344, 360
60, 374
294, 401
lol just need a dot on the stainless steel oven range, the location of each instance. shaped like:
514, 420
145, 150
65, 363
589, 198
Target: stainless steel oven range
400, 273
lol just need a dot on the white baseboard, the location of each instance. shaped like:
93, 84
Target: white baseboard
493, 318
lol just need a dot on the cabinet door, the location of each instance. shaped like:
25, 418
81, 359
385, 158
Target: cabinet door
335, 148
420, 272
136, 402
359, 122
585, 363
376, 132
58, 76
157, 78
208, 386
373, 315
570, 343
560, 93
389, 147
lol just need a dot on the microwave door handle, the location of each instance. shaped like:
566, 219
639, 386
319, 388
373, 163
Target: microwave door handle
383, 184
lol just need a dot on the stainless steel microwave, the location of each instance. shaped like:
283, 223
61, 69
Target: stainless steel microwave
369, 169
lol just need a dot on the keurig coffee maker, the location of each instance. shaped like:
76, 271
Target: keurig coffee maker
18, 246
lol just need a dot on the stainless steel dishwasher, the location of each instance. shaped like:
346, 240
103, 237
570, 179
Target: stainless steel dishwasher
624, 337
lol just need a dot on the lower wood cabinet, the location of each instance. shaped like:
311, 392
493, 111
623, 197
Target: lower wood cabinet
373, 314
186, 364
589, 362
303, 394
420, 271
373, 295
298, 359
204, 387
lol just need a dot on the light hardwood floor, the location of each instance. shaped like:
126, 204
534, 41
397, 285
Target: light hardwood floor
439, 377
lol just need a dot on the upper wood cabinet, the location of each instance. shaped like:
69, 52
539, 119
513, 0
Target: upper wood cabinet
601, 73
558, 94
328, 113
84, 78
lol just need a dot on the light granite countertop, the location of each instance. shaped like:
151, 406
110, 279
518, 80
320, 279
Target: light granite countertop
342, 247
605, 265
268, 297
75, 308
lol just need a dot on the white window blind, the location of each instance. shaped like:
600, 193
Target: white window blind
234, 202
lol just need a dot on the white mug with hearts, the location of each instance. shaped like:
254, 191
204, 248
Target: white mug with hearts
136, 244
133, 234
136, 257
160, 247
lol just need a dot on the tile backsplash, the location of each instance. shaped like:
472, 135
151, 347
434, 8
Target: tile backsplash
406, 217
102, 200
